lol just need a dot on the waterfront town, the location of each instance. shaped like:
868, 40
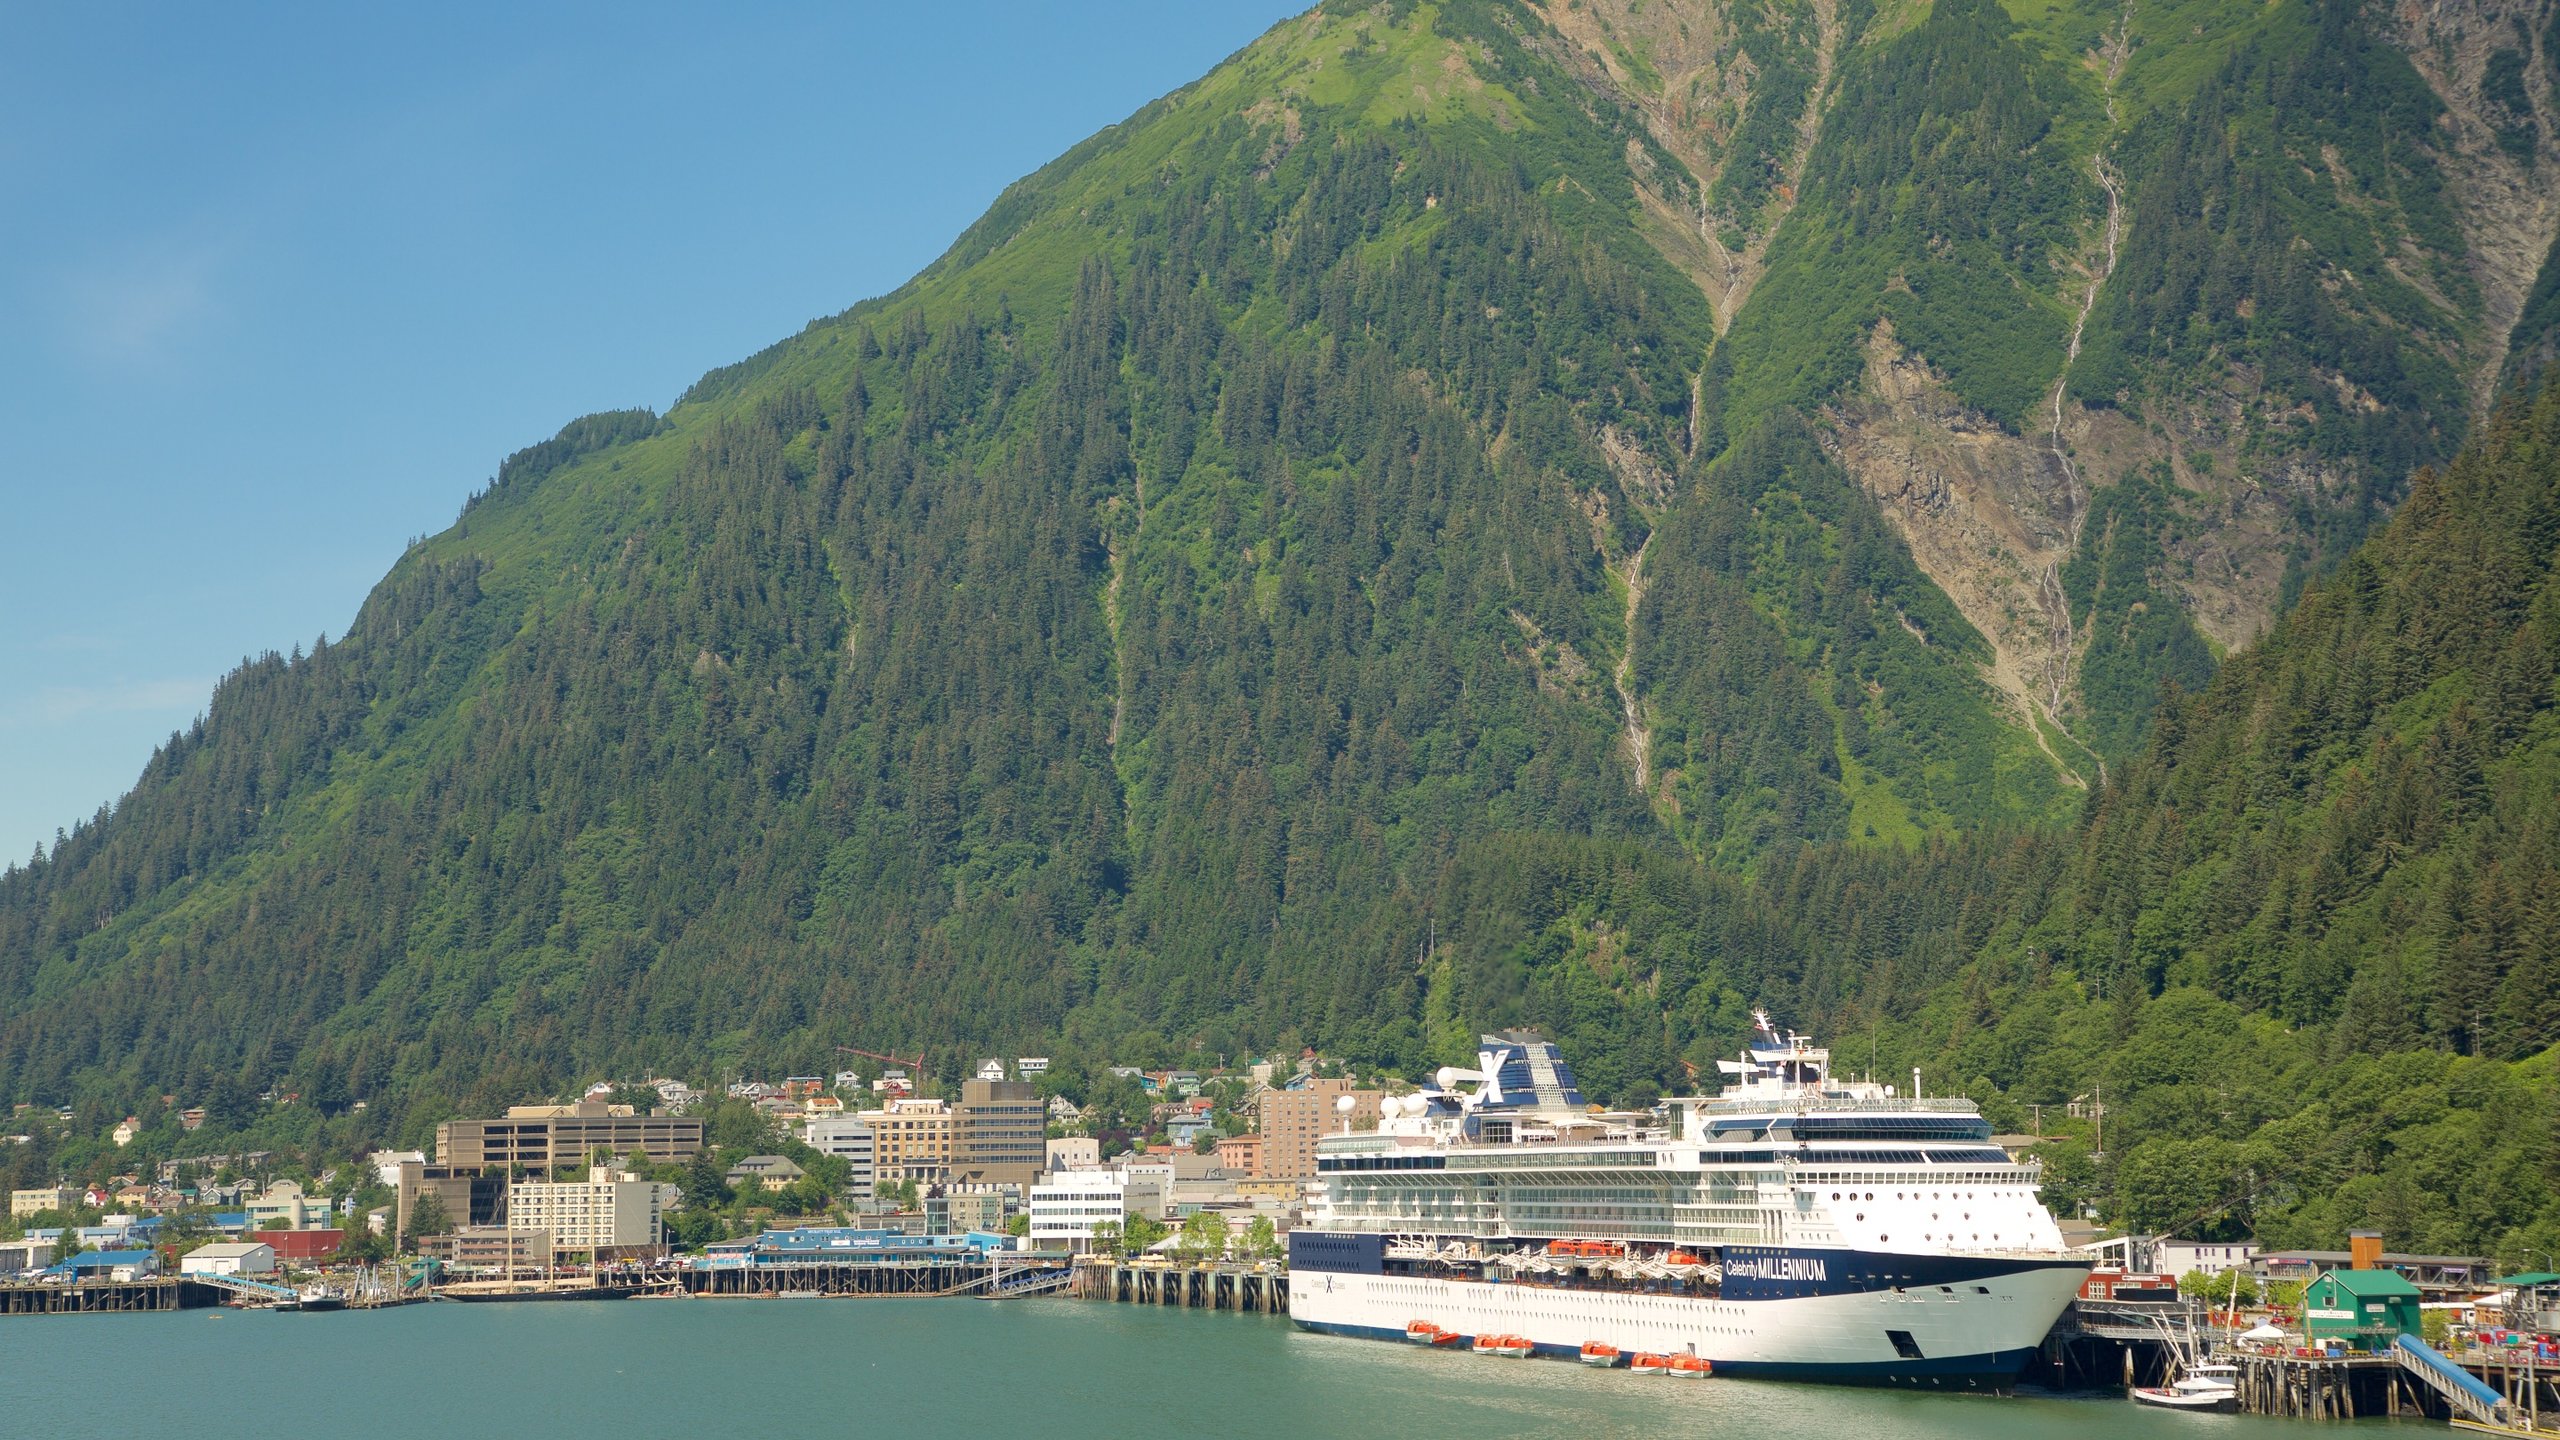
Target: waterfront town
662, 1175
1160, 1186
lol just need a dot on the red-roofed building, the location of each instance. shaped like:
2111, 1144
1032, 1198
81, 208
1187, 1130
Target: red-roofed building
302, 1247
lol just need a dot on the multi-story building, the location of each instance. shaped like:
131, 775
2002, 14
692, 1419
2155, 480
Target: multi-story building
959, 1209
1240, 1155
551, 1137
1074, 1152
60, 1199
1000, 1134
283, 1204
466, 1196
911, 1140
1068, 1207
491, 1248
611, 1212
848, 1137
1293, 1120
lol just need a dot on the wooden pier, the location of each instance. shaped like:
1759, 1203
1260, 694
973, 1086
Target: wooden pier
2346, 1388
2360, 1386
999, 1279
1199, 1287
108, 1297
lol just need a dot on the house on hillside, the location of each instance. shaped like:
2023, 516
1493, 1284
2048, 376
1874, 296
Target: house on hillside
765, 1172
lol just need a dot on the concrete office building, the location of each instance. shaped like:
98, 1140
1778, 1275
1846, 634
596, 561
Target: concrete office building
999, 1134
849, 1138
612, 1212
552, 1137
1293, 1120
1068, 1207
1074, 1152
466, 1196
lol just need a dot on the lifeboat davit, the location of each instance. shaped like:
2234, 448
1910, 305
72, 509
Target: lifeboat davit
1649, 1364
1689, 1367
1509, 1347
1595, 1353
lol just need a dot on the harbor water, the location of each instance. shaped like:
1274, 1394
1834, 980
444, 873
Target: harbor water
919, 1369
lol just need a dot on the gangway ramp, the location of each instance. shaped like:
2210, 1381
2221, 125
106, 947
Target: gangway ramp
2460, 1388
244, 1287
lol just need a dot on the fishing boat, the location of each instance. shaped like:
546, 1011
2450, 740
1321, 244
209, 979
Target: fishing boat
1601, 1355
2210, 1389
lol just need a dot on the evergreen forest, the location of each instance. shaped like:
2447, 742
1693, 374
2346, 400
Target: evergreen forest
2016, 538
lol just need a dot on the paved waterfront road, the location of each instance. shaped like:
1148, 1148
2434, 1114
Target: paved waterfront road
916, 1370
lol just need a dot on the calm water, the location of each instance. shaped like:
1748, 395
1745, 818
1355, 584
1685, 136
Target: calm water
918, 1369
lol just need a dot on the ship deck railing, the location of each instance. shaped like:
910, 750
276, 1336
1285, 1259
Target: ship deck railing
1798, 1104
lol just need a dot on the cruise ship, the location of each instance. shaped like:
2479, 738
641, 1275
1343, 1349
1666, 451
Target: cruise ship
1792, 1226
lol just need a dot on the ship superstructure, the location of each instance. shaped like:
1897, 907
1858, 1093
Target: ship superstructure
1793, 1224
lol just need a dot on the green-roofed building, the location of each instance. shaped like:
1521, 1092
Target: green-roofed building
2363, 1309
2533, 1300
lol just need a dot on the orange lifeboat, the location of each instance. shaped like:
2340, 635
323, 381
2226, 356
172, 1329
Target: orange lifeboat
1596, 1354
1643, 1364
1423, 1332
1509, 1347
1689, 1367
1681, 1257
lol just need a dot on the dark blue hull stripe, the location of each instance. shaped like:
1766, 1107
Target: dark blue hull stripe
1996, 1370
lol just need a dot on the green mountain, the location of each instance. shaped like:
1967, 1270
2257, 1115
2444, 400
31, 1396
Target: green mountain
1601, 512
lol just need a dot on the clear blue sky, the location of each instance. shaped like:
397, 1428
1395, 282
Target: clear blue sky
279, 286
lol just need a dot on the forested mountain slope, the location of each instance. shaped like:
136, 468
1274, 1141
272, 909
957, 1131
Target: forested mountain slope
1587, 482
2302, 948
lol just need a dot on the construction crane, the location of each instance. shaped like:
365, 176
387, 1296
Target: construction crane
914, 1066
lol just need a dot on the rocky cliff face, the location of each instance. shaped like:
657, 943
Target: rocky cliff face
1741, 96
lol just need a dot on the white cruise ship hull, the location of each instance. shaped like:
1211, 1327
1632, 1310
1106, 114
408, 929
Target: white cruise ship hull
1978, 1331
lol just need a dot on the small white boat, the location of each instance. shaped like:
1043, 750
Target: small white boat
2213, 1389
